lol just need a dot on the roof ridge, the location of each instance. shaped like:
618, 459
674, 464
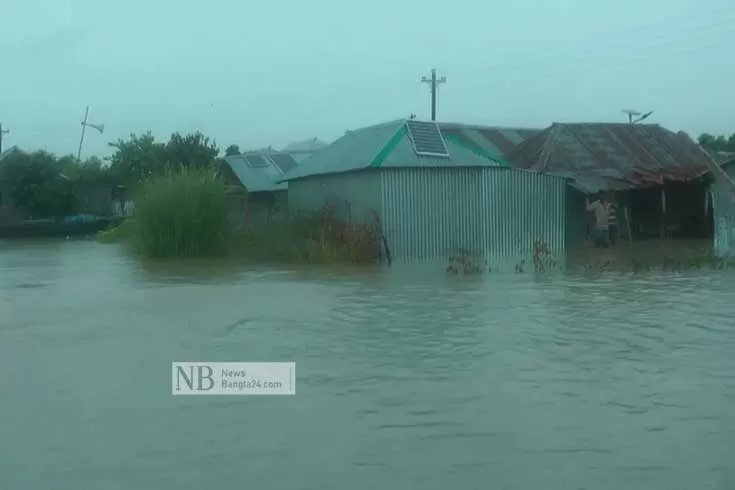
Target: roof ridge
389, 145
451, 125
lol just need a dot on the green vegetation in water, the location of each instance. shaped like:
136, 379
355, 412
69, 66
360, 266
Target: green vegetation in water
125, 231
314, 238
182, 214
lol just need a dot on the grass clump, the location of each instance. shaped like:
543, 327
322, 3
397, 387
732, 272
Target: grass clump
125, 231
313, 238
182, 214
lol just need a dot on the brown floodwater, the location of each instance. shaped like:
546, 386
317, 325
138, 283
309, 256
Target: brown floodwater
405, 378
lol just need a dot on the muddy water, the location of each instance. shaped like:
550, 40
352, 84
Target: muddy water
404, 380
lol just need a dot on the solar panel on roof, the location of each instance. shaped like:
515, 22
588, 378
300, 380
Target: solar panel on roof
284, 161
272, 170
256, 161
427, 139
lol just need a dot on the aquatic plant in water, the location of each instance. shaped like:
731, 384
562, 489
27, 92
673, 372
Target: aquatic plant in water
182, 214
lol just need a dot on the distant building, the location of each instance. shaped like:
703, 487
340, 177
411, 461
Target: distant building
435, 194
254, 179
301, 150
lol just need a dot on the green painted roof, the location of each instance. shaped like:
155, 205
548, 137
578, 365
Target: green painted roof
388, 145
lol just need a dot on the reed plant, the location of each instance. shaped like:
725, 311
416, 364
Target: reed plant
182, 214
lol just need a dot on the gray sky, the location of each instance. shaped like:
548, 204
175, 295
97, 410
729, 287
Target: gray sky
266, 72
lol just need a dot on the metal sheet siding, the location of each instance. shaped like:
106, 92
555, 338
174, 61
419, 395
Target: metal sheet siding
524, 207
723, 203
356, 195
430, 212
493, 214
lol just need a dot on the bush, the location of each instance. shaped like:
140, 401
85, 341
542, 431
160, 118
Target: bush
318, 238
182, 214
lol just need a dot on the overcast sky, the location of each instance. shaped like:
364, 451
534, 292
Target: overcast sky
267, 72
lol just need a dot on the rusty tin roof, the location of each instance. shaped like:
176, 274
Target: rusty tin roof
613, 156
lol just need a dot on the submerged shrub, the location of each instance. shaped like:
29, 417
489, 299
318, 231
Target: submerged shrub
182, 214
318, 237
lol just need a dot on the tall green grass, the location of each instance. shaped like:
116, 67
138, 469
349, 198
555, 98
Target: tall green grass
182, 214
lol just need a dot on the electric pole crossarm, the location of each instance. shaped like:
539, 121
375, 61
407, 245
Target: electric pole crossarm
433, 82
3, 132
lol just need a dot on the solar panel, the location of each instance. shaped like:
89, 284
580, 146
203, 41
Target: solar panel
256, 161
426, 138
284, 161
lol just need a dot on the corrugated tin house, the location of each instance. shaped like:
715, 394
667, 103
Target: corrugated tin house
254, 180
435, 195
723, 203
655, 174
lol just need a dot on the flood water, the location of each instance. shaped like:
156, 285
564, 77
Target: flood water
404, 381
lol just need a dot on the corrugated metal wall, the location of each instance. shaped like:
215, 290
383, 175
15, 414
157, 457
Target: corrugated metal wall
356, 195
433, 212
723, 203
525, 207
493, 214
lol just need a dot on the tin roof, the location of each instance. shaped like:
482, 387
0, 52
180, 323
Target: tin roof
495, 140
599, 156
264, 178
388, 145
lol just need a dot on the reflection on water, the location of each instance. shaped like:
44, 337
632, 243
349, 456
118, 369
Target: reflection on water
404, 380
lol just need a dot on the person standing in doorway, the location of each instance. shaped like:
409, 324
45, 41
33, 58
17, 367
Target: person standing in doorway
612, 219
601, 235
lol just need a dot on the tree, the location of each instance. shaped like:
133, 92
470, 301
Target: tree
191, 151
38, 187
138, 158
717, 143
232, 150
142, 157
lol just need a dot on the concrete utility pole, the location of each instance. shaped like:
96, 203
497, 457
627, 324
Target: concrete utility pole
433, 83
98, 127
2, 132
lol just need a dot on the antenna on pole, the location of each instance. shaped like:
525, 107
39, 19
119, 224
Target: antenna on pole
3, 132
434, 82
98, 127
637, 115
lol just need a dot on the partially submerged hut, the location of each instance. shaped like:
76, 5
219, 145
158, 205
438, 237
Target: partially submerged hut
253, 180
435, 195
659, 178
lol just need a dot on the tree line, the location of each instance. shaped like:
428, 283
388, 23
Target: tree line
717, 143
41, 184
